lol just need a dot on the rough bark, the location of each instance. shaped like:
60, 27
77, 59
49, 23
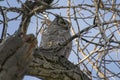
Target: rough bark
15, 55
49, 66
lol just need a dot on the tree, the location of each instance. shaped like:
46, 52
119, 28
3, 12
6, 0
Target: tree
93, 46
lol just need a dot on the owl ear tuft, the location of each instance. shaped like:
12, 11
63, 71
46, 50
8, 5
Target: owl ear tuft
58, 16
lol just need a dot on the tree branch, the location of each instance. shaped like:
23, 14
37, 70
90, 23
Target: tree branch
15, 55
49, 66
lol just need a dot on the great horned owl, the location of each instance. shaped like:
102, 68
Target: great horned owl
55, 34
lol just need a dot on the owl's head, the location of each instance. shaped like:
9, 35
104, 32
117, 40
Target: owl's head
62, 23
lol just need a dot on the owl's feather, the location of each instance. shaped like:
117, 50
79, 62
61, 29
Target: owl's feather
57, 33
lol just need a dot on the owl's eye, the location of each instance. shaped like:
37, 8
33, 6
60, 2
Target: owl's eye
62, 22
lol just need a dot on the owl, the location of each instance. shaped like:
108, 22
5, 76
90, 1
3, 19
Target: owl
55, 34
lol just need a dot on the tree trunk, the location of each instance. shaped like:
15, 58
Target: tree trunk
49, 66
15, 55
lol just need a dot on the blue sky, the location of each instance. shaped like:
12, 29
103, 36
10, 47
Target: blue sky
13, 26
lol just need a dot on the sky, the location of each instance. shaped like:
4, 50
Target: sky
13, 26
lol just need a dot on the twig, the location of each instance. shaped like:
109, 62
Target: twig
4, 31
